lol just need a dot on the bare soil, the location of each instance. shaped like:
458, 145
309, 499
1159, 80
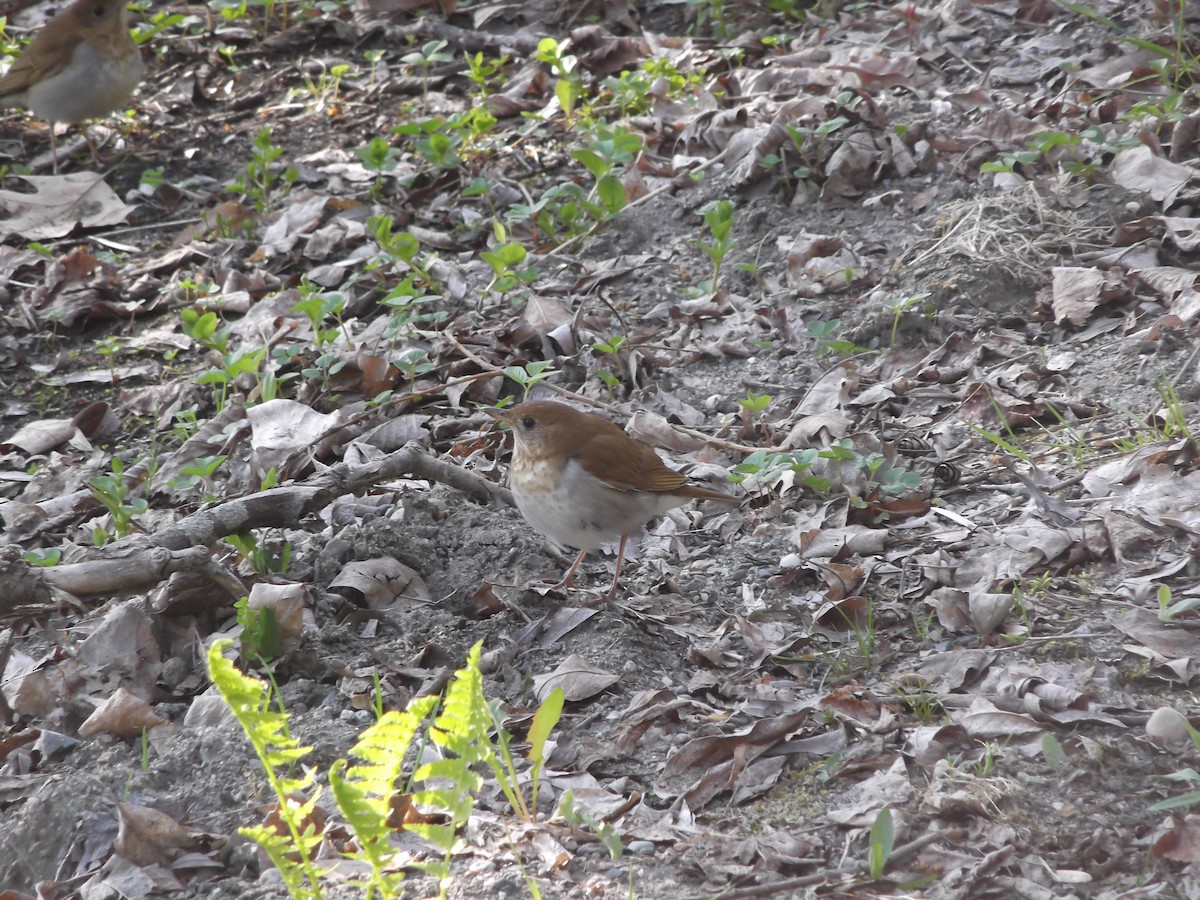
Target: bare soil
1006, 644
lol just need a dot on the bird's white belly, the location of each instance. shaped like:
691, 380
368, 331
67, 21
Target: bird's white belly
580, 510
89, 88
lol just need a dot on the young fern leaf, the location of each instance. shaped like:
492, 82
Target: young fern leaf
250, 701
451, 783
364, 792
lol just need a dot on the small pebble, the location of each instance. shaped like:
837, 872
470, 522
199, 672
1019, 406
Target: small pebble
641, 848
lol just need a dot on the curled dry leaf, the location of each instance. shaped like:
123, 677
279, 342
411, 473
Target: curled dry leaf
380, 583
656, 431
40, 437
717, 761
1182, 842
146, 836
1168, 728
988, 611
1139, 169
849, 614
1077, 291
287, 602
124, 642
984, 721
577, 677
281, 428
123, 714
60, 203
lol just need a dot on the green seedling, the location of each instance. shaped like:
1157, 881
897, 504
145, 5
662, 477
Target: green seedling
773, 469
718, 216
479, 187
1186, 775
987, 763
504, 762
199, 472
568, 84
152, 178
405, 300
755, 404
1009, 161
568, 206
43, 559
109, 348
440, 149
711, 14
898, 306
577, 816
1053, 752
924, 705
611, 347
186, 424
318, 307
413, 363
823, 336
402, 247
425, 58
529, 374
373, 58
380, 158
812, 143
506, 260
234, 363
324, 90
883, 838
487, 75
633, 92
790, 9
1168, 610
260, 641
1176, 66
261, 180
323, 368
259, 556
111, 492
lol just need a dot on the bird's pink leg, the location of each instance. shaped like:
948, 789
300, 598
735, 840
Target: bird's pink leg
612, 594
569, 578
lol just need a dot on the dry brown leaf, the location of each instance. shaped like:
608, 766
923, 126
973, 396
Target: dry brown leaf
380, 583
146, 836
578, 678
1182, 842
287, 602
123, 714
1140, 170
60, 203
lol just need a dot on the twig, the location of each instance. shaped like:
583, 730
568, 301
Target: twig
776, 887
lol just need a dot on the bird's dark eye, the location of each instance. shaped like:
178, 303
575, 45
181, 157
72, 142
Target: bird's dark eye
528, 422
98, 12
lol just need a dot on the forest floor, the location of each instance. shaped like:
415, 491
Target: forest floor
915, 283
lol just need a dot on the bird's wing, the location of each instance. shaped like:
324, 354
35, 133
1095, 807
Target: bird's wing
608, 458
46, 56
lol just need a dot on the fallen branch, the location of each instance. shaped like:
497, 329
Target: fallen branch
139, 562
